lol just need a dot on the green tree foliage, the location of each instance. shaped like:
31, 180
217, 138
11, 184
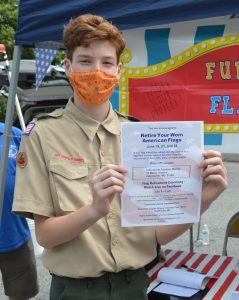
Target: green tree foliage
8, 24
59, 57
3, 109
8, 20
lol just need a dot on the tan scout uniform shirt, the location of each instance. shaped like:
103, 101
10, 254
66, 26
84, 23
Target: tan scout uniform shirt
63, 151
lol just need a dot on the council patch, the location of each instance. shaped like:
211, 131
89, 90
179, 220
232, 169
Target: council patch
21, 159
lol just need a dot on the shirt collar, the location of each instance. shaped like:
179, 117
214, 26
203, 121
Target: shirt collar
91, 126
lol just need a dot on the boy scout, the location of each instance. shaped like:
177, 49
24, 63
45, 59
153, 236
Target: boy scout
70, 179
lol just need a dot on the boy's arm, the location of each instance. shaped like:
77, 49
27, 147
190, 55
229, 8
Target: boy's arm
105, 184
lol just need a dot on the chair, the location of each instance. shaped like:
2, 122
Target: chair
232, 230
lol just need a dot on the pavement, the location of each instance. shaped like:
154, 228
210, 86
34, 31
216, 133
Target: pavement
216, 218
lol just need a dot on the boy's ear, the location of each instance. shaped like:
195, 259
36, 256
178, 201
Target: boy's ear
119, 68
67, 65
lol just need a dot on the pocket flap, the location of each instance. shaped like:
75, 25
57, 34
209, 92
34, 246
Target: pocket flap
69, 171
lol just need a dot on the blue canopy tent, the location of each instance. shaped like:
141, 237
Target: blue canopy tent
43, 21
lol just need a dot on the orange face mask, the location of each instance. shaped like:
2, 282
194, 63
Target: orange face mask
93, 87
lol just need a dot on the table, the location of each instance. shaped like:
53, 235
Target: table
226, 268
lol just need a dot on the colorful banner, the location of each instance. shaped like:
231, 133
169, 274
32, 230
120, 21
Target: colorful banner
198, 83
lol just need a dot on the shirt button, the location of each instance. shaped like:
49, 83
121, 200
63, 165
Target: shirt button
114, 243
102, 152
110, 216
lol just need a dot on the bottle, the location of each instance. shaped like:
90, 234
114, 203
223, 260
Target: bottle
205, 235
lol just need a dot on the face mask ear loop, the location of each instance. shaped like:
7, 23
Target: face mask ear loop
118, 70
70, 70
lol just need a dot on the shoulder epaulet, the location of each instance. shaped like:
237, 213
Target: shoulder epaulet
128, 117
54, 114
133, 119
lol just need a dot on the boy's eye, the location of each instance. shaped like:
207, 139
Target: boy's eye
84, 61
108, 63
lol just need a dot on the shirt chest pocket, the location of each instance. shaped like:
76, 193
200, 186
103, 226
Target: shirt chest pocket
70, 185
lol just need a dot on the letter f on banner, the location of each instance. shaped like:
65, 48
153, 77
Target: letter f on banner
214, 103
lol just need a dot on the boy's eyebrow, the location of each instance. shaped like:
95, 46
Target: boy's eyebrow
90, 56
83, 56
109, 57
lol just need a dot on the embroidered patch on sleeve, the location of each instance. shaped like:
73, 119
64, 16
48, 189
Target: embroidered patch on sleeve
21, 159
29, 128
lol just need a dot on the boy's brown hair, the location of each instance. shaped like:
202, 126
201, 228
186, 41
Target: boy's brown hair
82, 30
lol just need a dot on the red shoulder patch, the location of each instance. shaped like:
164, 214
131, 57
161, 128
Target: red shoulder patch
21, 159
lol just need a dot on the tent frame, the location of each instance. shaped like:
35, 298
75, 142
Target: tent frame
9, 121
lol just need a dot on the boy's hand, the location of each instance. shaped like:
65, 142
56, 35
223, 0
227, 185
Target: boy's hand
214, 177
106, 183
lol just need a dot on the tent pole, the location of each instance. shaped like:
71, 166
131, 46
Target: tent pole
18, 107
8, 122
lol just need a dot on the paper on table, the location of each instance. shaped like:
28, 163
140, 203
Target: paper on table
175, 290
181, 277
180, 282
235, 295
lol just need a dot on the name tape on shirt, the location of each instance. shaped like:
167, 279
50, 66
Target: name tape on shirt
77, 159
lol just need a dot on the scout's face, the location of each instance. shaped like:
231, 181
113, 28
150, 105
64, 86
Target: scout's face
100, 55
93, 73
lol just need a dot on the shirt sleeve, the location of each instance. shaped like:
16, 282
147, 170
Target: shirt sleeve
32, 193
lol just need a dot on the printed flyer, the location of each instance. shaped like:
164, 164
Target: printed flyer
163, 184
